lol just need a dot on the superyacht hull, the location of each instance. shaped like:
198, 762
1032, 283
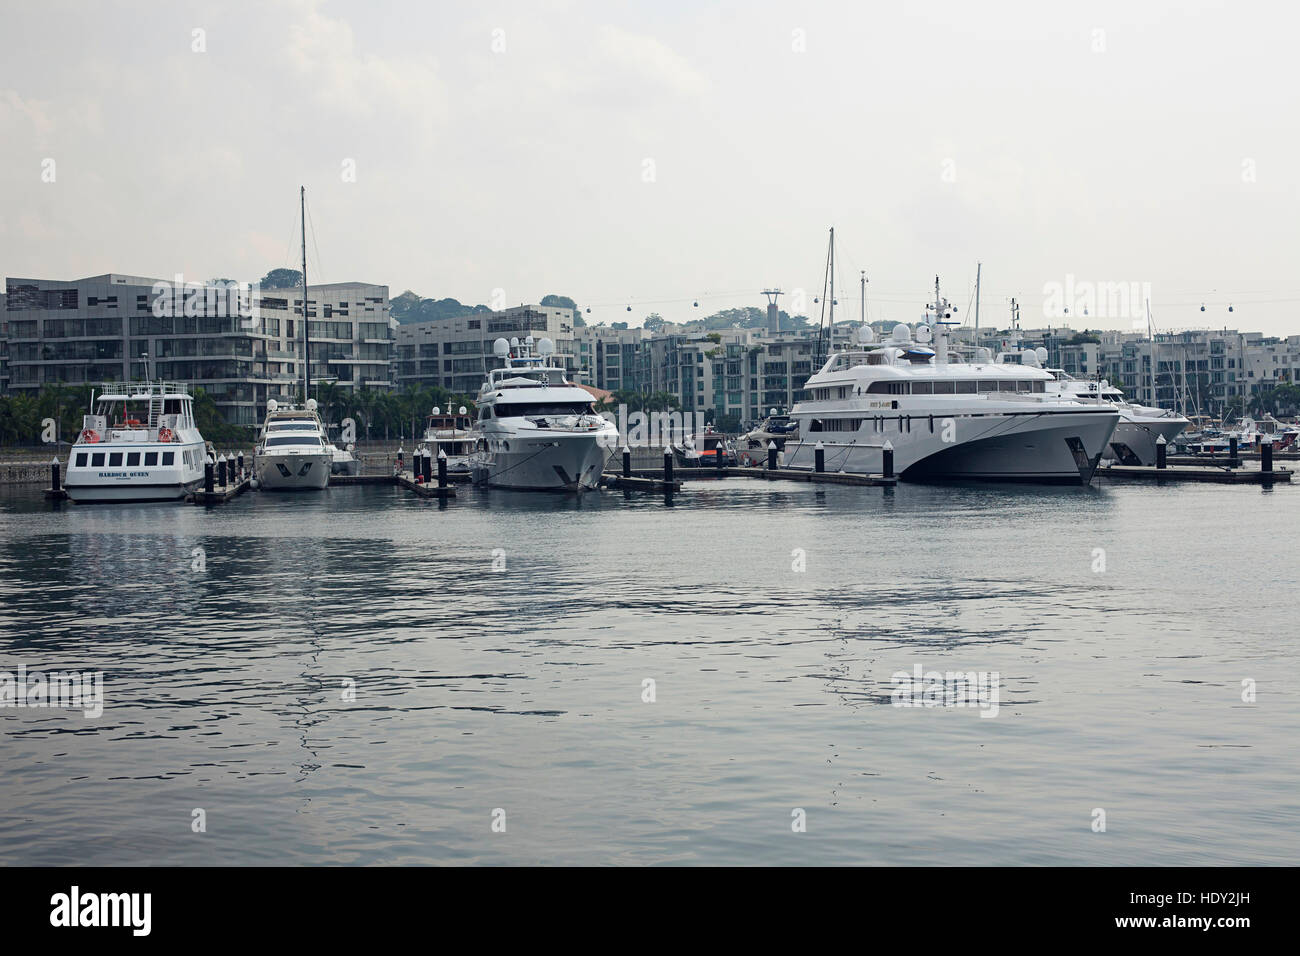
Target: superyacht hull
1055, 447
547, 463
1134, 441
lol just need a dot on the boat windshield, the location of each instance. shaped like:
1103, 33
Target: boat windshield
533, 410
313, 440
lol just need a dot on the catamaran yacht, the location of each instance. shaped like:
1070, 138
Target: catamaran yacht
535, 430
944, 419
140, 444
291, 451
452, 435
1140, 426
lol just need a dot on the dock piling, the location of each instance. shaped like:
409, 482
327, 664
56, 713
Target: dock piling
442, 468
54, 475
1161, 453
819, 458
627, 462
668, 465
207, 475
887, 460
1265, 457
771, 456
221, 471
1233, 460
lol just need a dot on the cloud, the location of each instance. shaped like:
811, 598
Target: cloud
652, 61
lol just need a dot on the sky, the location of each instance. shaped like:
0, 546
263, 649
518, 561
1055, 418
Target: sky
658, 154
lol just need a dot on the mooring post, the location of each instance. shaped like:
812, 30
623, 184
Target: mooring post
1232, 452
771, 456
239, 460
1265, 457
207, 475
887, 460
221, 471
442, 468
54, 474
627, 462
668, 465
819, 458
399, 459
1161, 452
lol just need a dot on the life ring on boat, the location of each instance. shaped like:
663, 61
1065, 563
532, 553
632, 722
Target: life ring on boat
164, 434
90, 436
746, 460
133, 422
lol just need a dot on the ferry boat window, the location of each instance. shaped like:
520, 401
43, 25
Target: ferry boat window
945, 388
81, 460
132, 459
115, 460
97, 460
169, 457
967, 387
150, 458
923, 388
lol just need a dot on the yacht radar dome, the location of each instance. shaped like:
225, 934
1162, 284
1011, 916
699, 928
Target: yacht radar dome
501, 348
272, 405
437, 410
923, 333
463, 410
902, 333
865, 335
545, 346
311, 404
514, 342
1041, 353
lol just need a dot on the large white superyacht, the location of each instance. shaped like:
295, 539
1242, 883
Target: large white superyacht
139, 444
292, 452
535, 430
944, 419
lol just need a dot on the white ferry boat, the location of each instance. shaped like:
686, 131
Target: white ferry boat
292, 452
944, 419
140, 444
535, 430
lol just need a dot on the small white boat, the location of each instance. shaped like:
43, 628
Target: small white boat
140, 444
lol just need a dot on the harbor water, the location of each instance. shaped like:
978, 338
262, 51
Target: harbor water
363, 676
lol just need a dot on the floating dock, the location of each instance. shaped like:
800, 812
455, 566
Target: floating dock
363, 479
641, 482
220, 494
1205, 473
424, 489
822, 477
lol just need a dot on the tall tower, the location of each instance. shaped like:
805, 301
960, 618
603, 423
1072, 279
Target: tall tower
773, 313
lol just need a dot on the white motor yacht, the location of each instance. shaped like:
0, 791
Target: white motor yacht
291, 450
452, 435
944, 419
1140, 426
140, 444
535, 430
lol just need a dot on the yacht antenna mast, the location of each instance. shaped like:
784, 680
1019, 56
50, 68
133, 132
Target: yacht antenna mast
977, 303
306, 335
828, 278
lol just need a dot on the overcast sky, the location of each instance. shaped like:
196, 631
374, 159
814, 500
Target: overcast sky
658, 153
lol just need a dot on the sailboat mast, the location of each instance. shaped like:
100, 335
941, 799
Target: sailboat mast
977, 303
1151, 336
306, 336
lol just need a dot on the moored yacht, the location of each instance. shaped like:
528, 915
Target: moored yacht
535, 430
291, 450
1140, 426
139, 444
452, 435
775, 429
944, 419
